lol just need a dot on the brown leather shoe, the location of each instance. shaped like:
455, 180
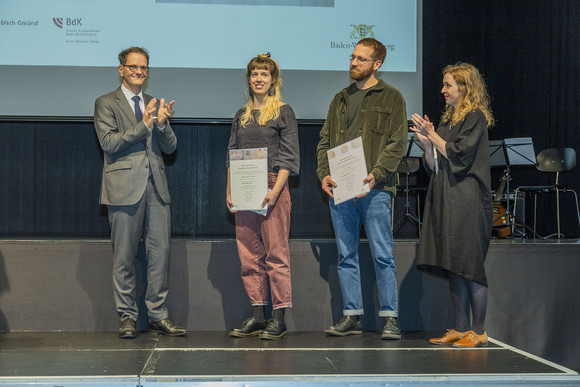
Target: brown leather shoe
472, 340
167, 327
449, 338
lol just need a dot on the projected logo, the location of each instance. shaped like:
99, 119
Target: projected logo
361, 31
57, 21
60, 22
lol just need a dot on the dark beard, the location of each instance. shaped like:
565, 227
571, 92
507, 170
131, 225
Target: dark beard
359, 76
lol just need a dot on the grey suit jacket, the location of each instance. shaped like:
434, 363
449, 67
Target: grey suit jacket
129, 149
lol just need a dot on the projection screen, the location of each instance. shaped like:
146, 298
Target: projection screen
57, 57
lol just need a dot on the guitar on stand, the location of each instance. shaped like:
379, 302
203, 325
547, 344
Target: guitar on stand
507, 153
501, 225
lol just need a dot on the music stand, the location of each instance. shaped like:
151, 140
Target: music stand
414, 150
508, 152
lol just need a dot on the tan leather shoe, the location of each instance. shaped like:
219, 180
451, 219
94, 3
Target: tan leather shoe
472, 340
449, 338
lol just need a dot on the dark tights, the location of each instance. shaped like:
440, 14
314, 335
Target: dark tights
466, 293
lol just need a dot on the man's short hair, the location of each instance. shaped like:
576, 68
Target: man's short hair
379, 49
132, 50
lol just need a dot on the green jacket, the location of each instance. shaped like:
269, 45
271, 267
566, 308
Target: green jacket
382, 125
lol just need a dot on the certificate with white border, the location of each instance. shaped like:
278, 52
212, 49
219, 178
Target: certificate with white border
348, 169
248, 178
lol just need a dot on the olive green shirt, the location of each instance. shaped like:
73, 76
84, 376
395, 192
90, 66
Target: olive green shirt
382, 126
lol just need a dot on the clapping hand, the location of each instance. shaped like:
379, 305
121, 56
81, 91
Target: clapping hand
423, 127
165, 110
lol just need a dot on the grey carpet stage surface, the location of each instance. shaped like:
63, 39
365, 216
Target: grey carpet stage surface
57, 318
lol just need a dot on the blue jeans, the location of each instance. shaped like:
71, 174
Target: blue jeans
374, 212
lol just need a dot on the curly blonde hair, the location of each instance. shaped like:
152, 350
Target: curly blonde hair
271, 109
473, 93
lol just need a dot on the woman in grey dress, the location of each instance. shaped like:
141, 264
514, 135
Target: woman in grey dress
458, 216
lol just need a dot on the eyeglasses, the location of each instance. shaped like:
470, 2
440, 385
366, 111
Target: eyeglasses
134, 68
361, 59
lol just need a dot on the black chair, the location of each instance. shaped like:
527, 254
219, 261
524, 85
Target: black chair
554, 160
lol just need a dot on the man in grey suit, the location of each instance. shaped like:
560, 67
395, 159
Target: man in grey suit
133, 129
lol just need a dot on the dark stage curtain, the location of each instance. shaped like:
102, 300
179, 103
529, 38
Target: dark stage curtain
529, 53
51, 175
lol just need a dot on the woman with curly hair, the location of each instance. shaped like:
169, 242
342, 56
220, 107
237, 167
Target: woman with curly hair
458, 215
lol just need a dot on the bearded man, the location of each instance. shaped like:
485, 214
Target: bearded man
375, 111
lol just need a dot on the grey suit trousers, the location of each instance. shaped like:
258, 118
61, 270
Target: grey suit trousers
149, 219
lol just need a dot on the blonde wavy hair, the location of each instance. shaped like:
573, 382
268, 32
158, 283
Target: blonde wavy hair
271, 109
473, 93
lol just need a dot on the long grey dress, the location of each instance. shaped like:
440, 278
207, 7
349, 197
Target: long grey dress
458, 215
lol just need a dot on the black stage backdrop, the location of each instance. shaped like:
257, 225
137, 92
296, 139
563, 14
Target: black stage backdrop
528, 51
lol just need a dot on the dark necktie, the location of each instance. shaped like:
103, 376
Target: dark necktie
138, 112
139, 116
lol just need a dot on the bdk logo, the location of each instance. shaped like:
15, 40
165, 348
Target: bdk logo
74, 21
57, 21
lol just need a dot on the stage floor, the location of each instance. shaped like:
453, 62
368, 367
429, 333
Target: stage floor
302, 358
